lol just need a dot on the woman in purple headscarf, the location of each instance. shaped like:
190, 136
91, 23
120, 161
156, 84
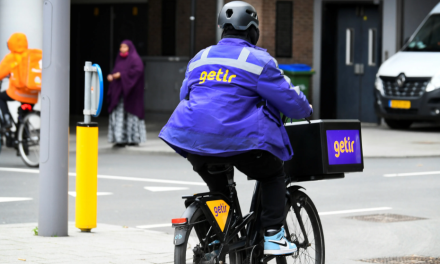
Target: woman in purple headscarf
126, 98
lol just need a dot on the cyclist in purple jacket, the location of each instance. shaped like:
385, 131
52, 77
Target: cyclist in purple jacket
229, 113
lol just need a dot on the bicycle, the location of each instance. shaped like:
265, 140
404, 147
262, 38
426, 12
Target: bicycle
26, 137
212, 229
239, 239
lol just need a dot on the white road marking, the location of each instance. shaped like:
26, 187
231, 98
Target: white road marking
164, 189
356, 211
122, 178
109, 177
153, 226
98, 193
412, 174
19, 170
14, 199
323, 213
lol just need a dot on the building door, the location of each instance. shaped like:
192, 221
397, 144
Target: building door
358, 58
96, 32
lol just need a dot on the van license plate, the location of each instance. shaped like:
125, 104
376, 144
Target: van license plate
400, 104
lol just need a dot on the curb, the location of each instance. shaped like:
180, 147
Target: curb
171, 152
141, 152
403, 156
107, 150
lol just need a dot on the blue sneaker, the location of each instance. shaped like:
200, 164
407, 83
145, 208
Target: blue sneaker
278, 245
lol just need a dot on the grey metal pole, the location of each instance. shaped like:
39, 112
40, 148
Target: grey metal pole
54, 143
87, 85
220, 4
193, 30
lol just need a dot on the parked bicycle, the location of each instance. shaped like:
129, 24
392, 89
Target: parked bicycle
24, 136
213, 230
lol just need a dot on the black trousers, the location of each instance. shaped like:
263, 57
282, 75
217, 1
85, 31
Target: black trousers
259, 165
4, 97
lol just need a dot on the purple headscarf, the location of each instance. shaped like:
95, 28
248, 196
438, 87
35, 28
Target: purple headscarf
130, 86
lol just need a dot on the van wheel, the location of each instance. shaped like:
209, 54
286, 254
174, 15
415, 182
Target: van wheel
398, 124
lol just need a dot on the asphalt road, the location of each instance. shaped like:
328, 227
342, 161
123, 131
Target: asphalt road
127, 202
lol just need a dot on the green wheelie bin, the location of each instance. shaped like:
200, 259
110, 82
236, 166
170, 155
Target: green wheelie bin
300, 75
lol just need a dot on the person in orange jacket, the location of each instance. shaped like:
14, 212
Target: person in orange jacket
17, 44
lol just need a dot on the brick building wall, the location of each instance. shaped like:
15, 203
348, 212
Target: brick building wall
268, 23
205, 24
259, 7
302, 37
302, 47
206, 21
303, 31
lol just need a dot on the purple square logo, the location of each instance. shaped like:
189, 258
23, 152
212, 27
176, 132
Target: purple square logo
343, 147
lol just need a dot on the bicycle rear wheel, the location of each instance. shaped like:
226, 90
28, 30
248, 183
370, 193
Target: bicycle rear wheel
314, 253
29, 140
1, 137
193, 250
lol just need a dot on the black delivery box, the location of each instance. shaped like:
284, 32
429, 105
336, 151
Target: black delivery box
324, 149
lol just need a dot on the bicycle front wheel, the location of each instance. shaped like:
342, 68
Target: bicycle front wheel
29, 140
312, 252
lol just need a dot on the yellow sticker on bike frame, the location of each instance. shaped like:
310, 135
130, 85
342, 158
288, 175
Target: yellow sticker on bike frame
220, 211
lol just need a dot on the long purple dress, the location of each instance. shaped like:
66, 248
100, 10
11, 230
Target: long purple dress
126, 100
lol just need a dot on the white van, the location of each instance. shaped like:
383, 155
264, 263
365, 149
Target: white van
408, 83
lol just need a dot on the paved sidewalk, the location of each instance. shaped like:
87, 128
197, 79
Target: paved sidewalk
421, 140
153, 145
105, 244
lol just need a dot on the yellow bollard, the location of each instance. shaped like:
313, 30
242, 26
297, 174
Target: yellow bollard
86, 176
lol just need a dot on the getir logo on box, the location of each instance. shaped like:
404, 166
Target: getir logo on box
220, 210
344, 147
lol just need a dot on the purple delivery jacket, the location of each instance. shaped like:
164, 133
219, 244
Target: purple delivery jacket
230, 102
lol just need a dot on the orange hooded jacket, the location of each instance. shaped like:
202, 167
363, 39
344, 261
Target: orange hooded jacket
17, 44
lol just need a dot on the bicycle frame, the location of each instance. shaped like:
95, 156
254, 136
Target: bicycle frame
249, 226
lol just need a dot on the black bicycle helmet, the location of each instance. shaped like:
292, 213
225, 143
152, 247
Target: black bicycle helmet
240, 15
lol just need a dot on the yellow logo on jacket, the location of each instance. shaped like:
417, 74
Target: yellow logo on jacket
220, 211
216, 76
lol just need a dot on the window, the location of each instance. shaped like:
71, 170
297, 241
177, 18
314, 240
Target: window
168, 27
349, 42
284, 27
428, 37
372, 40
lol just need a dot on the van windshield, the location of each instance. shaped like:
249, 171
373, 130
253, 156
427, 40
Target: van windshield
428, 37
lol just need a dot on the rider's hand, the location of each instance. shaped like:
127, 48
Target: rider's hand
117, 75
311, 106
110, 77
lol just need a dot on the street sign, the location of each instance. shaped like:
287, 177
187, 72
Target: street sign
97, 91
